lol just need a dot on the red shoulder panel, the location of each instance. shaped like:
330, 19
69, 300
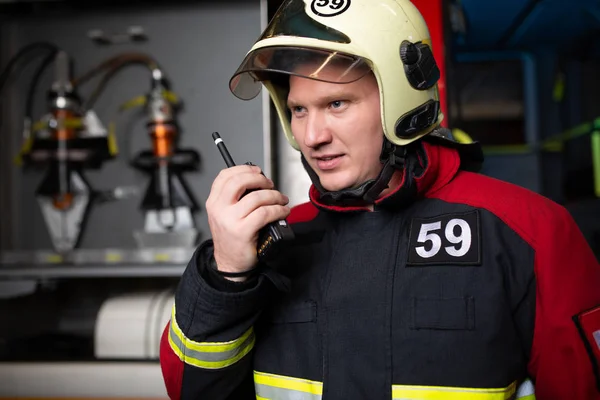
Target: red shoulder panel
302, 213
525, 211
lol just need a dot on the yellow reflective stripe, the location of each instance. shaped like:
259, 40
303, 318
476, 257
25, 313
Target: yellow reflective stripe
303, 388
402, 392
208, 355
528, 397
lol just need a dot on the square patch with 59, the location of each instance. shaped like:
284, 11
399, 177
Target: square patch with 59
449, 239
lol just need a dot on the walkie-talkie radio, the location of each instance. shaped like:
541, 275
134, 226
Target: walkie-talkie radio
273, 235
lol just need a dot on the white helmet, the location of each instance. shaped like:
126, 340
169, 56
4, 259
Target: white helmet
388, 37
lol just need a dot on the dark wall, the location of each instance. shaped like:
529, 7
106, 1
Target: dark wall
199, 46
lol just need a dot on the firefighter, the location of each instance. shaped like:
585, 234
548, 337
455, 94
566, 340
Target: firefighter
411, 276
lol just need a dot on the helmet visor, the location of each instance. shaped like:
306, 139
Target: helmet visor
322, 65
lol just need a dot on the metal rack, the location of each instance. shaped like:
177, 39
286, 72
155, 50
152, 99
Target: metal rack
92, 263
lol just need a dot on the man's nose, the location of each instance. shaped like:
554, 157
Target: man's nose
317, 130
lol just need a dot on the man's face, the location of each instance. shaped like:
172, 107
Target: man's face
338, 128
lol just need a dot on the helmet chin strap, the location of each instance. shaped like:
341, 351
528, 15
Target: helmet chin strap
392, 157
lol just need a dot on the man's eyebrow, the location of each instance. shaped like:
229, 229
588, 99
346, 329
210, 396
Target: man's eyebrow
291, 103
340, 95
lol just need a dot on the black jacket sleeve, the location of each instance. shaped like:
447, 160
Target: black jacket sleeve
206, 349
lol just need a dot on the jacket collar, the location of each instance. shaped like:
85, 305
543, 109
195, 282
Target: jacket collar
437, 166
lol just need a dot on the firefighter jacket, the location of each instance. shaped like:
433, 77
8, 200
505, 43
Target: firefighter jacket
474, 289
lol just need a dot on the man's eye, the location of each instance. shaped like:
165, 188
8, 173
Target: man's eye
297, 109
337, 104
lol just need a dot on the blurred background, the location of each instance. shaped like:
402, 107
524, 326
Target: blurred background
94, 236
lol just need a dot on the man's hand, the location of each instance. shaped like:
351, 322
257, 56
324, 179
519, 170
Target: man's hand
234, 222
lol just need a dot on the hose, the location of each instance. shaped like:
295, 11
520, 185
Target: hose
110, 67
12, 63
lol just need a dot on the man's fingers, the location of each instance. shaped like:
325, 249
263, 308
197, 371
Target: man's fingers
259, 198
237, 185
225, 174
265, 215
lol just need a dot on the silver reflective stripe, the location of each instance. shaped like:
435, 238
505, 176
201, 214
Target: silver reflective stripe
596, 336
526, 391
273, 393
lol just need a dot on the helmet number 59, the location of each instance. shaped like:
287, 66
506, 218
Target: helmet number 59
460, 243
329, 8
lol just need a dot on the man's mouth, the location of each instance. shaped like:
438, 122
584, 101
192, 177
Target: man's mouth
328, 162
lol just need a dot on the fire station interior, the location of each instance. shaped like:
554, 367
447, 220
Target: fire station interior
92, 243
